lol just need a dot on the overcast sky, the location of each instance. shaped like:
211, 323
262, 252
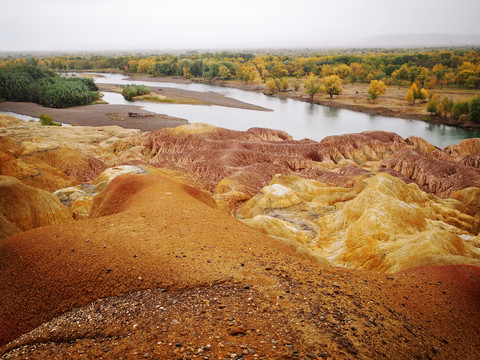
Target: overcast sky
195, 24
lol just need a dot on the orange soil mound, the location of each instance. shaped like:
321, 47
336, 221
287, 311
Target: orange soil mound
228, 290
156, 223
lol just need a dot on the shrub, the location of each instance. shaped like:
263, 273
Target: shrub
130, 91
30, 83
47, 120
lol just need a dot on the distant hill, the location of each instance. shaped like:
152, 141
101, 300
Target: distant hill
416, 40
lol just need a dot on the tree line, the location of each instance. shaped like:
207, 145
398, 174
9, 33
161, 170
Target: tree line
429, 69
27, 82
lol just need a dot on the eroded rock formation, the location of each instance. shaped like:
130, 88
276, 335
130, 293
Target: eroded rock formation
436, 176
52, 157
158, 246
380, 224
139, 275
23, 207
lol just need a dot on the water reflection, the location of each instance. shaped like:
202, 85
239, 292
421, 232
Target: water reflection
312, 109
330, 111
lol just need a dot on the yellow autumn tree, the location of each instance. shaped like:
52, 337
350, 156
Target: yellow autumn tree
332, 85
376, 89
224, 72
186, 72
410, 96
312, 86
412, 93
283, 86
271, 86
342, 71
146, 66
422, 95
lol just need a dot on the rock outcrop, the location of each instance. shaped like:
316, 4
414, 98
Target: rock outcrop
245, 162
380, 224
436, 176
23, 207
52, 157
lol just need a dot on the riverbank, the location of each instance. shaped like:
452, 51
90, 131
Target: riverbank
126, 116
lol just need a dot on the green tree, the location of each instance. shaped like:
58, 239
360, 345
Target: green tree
332, 85
445, 107
474, 109
432, 104
460, 109
312, 86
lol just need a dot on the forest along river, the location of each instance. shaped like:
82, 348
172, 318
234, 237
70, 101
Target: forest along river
299, 119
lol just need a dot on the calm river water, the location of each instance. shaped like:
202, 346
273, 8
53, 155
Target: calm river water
299, 119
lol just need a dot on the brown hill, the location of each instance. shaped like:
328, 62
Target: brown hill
179, 278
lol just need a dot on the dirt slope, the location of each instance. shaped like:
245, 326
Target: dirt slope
180, 279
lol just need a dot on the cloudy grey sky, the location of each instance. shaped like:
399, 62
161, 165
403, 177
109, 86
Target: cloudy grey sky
183, 24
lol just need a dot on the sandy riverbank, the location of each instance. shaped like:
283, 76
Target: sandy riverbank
98, 115
190, 97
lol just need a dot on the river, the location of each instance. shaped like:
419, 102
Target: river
299, 119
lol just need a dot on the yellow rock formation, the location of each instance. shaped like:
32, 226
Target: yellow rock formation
53, 157
380, 224
23, 207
